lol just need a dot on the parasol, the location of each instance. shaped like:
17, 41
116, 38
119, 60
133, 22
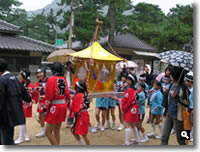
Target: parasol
59, 55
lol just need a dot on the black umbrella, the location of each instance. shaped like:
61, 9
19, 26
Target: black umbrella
180, 59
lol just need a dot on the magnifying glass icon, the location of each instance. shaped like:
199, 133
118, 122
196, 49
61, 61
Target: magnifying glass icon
184, 134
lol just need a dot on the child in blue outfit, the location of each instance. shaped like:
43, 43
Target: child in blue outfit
101, 106
141, 98
166, 83
156, 109
121, 86
142, 79
111, 110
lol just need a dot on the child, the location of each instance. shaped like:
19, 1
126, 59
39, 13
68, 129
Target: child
40, 87
57, 96
111, 109
156, 109
189, 83
78, 108
141, 98
166, 83
101, 106
121, 86
27, 107
69, 71
129, 107
142, 79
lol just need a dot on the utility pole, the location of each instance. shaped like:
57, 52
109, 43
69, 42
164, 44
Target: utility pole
71, 24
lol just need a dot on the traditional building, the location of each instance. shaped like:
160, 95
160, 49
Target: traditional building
132, 48
21, 51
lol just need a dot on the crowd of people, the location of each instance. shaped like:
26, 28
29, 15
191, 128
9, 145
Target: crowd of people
166, 97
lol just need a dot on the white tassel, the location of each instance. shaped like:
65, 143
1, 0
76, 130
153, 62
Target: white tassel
86, 67
111, 68
97, 66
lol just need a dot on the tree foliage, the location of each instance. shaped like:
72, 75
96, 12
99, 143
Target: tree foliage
147, 21
165, 32
6, 7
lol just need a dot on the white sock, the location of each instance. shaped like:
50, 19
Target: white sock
138, 136
144, 135
80, 142
21, 133
114, 122
191, 133
154, 128
160, 127
43, 130
127, 135
25, 131
136, 133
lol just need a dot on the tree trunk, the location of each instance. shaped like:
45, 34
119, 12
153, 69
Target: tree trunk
111, 14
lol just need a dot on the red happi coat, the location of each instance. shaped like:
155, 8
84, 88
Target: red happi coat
56, 89
129, 105
82, 116
37, 99
27, 107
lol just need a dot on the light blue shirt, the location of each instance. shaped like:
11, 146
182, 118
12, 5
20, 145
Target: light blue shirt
191, 98
156, 101
167, 86
141, 102
102, 102
146, 86
118, 89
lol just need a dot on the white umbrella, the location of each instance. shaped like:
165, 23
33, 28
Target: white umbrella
126, 64
60, 55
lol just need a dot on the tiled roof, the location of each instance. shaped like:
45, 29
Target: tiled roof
128, 41
6, 27
11, 40
24, 43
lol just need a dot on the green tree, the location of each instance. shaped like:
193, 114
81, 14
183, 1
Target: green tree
41, 28
85, 12
7, 7
149, 23
179, 26
148, 13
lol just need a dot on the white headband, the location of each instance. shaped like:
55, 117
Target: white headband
77, 83
188, 79
131, 77
23, 73
39, 70
142, 78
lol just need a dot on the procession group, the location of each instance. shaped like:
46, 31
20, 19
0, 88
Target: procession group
165, 96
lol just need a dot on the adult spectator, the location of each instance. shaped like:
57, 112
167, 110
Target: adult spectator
11, 112
174, 103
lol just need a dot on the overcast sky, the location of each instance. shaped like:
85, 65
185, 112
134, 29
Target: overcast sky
165, 5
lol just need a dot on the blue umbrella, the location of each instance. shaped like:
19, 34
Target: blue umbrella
178, 59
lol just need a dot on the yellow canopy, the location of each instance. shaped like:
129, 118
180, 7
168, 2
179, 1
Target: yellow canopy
96, 51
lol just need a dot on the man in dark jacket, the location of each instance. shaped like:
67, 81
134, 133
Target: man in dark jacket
2, 111
11, 94
175, 100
